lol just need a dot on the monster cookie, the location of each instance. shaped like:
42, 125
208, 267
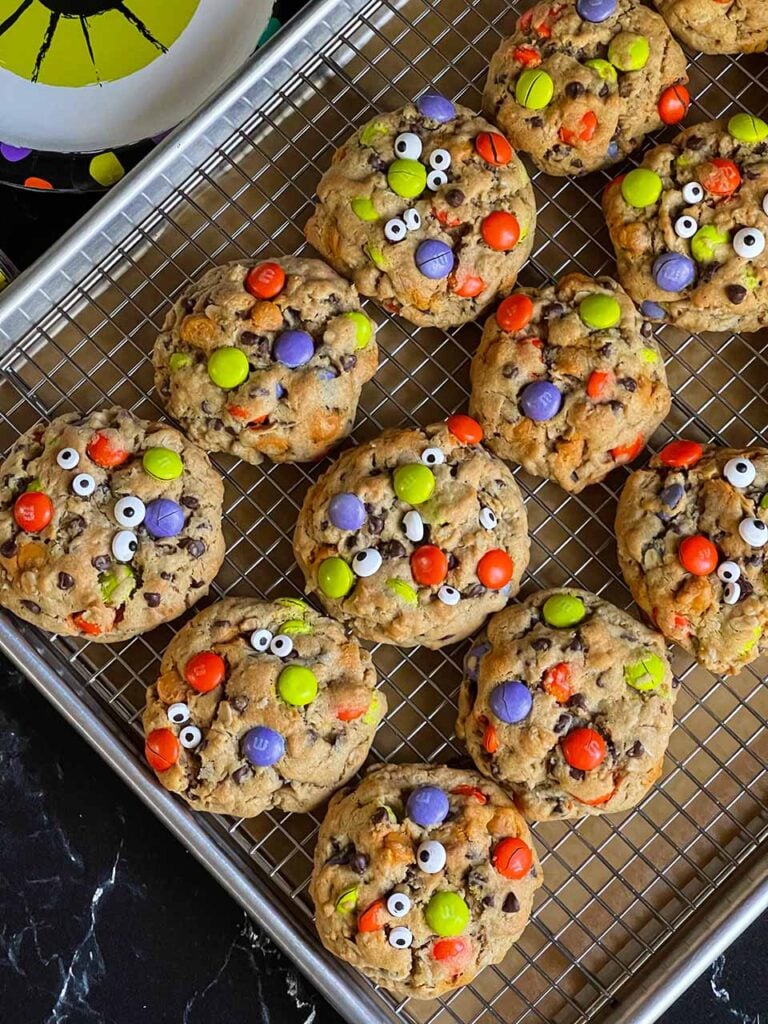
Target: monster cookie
689, 225
692, 531
414, 537
567, 702
718, 26
428, 210
568, 380
580, 83
259, 705
423, 876
109, 525
266, 358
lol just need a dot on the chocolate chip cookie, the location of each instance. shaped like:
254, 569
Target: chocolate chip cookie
109, 525
689, 227
567, 702
718, 26
414, 537
692, 531
568, 380
580, 83
266, 358
428, 210
260, 705
423, 876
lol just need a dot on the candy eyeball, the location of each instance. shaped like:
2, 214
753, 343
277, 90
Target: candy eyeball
435, 179
412, 219
686, 227
753, 532
401, 937
408, 146
739, 472
693, 192
83, 485
731, 593
395, 230
281, 646
130, 511
68, 458
190, 737
432, 457
728, 572
178, 713
413, 525
448, 595
765, 204
398, 904
440, 159
430, 856
488, 519
748, 243
366, 563
124, 545
260, 639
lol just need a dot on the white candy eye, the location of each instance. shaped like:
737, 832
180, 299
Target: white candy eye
728, 572
686, 227
130, 511
412, 219
731, 593
124, 545
440, 159
488, 519
753, 532
398, 904
431, 856
448, 595
83, 484
366, 563
68, 458
408, 146
693, 192
281, 646
190, 737
413, 525
432, 457
435, 179
739, 472
748, 243
765, 203
401, 937
260, 639
178, 713
395, 230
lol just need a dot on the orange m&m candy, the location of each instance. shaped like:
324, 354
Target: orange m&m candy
471, 791
493, 148
527, 56
584, 749
83, 624
490, 738
465, 429
205, 671
723, 178
598, 382
628, 452
514, 313
429, 565
697, 555
265, 281
348, 714
469, 286
557, 684
373, 918
512, 858
105, 452
500, 230
495, 568
161, 749
32, 511
673, 104
458, 950
681, 454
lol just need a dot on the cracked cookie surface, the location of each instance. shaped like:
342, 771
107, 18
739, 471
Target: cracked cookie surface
718, 26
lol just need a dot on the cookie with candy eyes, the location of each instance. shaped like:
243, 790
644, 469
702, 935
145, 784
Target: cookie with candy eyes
266, 359
423, 876
579, 84
428, 210
567, 703
260, 705
718, 26
689, 227
692, 534
109, 525
568, 380
414, 537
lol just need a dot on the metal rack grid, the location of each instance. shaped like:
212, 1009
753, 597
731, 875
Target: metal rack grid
239, 180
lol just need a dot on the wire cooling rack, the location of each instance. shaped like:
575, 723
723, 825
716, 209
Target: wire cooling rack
634, 904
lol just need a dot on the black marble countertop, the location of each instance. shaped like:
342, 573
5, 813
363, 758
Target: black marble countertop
106, 919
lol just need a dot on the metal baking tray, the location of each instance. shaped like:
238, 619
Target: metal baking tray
634, 906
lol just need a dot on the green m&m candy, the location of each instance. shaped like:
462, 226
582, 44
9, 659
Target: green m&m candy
296, 627
372, 131
603, 68
364, 209
407, 178
764, 501
628, 51
645, 674
414, 483
228, 367
376, 256
447, 914
347, 900
335, 578
162, 463
292, 602
649, 355
641, 187
706, 241
297, 685
747, 128
363, 328
178, 361
534, 89
373, 714
563, 610
600, 311
116, 584
403, 590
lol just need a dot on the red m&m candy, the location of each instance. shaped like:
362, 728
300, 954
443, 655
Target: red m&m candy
584, 749
105, 452
465, 429
265, 281
500, 230
512, 858
557, 683
681, 454
697, 555
161, 749
722, 178
493, 148
495, 568
32, 511
514, 313
457, 950
673, 104
205, 671
429, 565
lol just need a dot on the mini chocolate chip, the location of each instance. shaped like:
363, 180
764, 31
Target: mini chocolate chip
454, 197
554, 311
348, 362
196, 584
376, 524
636, 750
221, 623
188, 501
577, 644
195, 548
379, 816
510, 371
488, 901
8, 548
66, 582
241, 774
452, 561
166, 575
239, 703
391, 549
694, 142
573, 90
562, 723
671, 495
558, 807
646, 329
152, 598
604, 91
511, 904
577, 701
473, 590
541, 643
606, 350
342, 854
736, 293
101, 562
616, 406
32, 607
536, 122
577, 773
628, 383
359, 863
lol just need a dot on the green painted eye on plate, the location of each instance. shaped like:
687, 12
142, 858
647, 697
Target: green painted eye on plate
85, 42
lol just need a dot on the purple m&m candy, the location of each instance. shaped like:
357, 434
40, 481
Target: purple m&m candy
540, 401
294, 348
672, 271
434, 259
346, 511
263, 746
427, 806
436, 107
511, 701
164, 518
613, 150
595, 10
652, 310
